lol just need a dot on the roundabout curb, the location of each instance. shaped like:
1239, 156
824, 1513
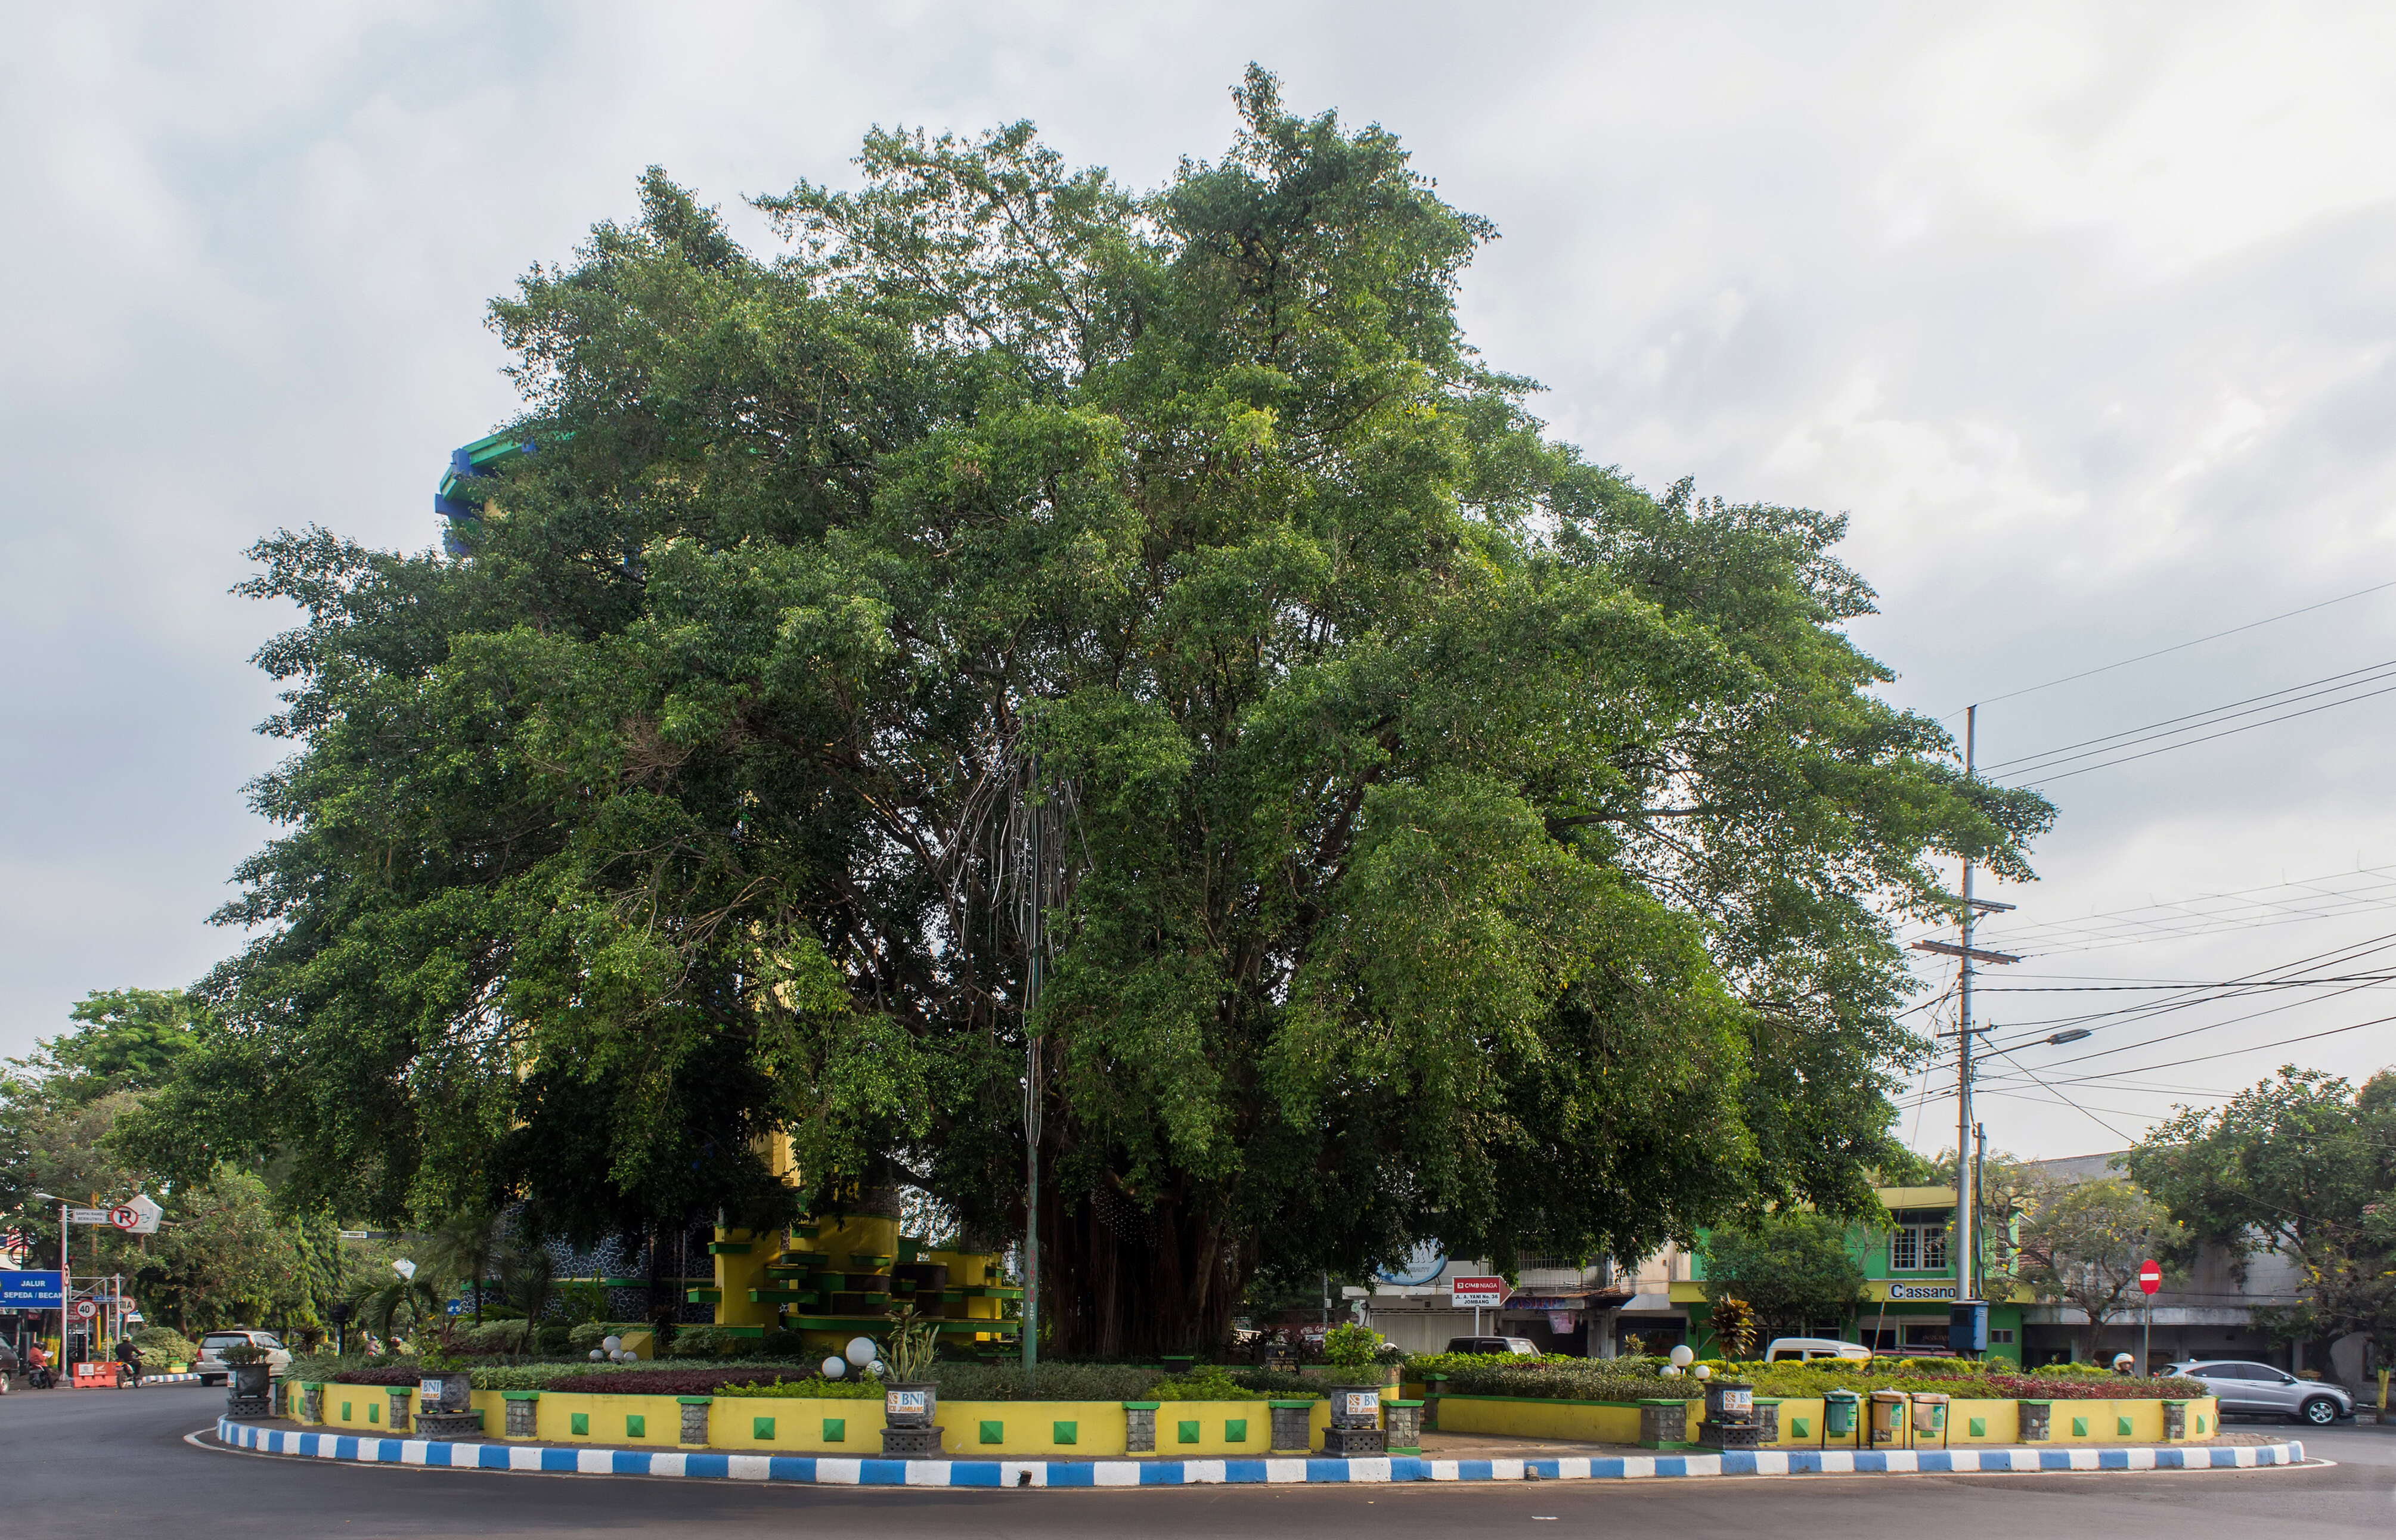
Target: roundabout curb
823, 1470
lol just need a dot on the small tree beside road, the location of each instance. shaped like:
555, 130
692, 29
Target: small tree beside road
2084, 1245
1790, 1270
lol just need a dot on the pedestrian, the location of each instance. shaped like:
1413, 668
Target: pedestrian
128, 1361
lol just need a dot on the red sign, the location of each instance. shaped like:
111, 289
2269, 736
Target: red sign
2150, 1275
1467, 1292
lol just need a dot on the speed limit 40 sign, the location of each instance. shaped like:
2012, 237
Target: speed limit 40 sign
86, 1309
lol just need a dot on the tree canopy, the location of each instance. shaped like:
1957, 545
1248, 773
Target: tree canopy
2304, 1165
1456, 842
1794, 1272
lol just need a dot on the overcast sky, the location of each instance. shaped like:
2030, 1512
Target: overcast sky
2087, 321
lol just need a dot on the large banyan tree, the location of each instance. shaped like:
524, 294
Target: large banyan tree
1442, 838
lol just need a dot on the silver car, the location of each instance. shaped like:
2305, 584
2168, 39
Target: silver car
2258, 1389
213, 1369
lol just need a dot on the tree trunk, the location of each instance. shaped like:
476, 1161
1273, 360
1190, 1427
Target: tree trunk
1123, 1281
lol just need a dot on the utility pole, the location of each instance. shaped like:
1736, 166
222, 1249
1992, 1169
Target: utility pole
1965, 1196
1964, 1064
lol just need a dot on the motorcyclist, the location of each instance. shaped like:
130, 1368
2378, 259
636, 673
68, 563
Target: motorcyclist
37, 1367
128, 1359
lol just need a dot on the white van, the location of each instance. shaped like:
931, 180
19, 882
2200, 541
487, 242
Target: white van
1802, 1348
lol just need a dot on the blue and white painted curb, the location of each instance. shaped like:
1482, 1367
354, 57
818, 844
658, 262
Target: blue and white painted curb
170, 1379
826, 1470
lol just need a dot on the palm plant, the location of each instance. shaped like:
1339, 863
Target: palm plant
378, 1309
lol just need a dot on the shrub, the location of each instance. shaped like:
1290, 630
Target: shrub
1350, 1346
1208, 1382
1057, 1382
160, 1346
815, 1388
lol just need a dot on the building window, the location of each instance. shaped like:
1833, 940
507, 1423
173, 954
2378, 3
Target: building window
1918, 1241
2001, 1336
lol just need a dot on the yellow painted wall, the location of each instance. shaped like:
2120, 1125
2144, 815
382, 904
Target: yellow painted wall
1592, 1421
1999, 1421
737, 1272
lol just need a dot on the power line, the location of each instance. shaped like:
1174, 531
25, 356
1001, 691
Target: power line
2087, 748
2227, 731
2182, 646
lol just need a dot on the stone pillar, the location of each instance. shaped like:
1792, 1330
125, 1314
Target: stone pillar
1434, 1384
1140, 1427
312, 1404
1402, 1426
1663, 1424
524, 1413
2034, 1415
1292, 1423
402, 1401
2175, 1421
694, 1418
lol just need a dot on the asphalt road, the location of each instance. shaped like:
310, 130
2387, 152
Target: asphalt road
85, 1465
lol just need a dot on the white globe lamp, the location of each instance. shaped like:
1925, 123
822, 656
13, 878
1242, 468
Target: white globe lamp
835, 1367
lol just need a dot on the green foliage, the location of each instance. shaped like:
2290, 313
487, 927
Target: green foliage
1790, 1268
160, 1346
913, 1343
816, 1388
1572, 1379
1422, 1363
2086, 1243
960, 1381
1456, 841
1205, 1383
2305, 1163
1733, 1323
1350, 1345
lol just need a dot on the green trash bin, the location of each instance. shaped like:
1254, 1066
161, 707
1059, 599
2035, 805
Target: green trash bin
1839, 1414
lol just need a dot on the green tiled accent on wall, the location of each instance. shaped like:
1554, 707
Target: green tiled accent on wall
374, 1412
1978, 1426
635, 1425
1188, 1432
993, 1432
1065, 1432
761, 1428
1236, 1430
2121, 1427
1799, 1428
835, 1430
578, 1422
345, 1416
2200, 1424
2080, 1427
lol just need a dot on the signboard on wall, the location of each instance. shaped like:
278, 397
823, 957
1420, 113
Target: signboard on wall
29, 1291
1466, 1294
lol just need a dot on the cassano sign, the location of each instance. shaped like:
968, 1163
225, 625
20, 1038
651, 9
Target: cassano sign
1922, 1291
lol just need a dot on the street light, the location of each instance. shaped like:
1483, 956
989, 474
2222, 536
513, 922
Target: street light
2071, 1035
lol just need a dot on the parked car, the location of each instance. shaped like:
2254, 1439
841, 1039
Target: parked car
213, 1369
2259, 1390
1801, 1348
1519, 1346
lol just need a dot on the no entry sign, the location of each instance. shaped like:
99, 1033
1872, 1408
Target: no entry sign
2150, 1275
1468, 1292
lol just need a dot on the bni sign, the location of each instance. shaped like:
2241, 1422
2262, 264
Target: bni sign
1470, 1294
